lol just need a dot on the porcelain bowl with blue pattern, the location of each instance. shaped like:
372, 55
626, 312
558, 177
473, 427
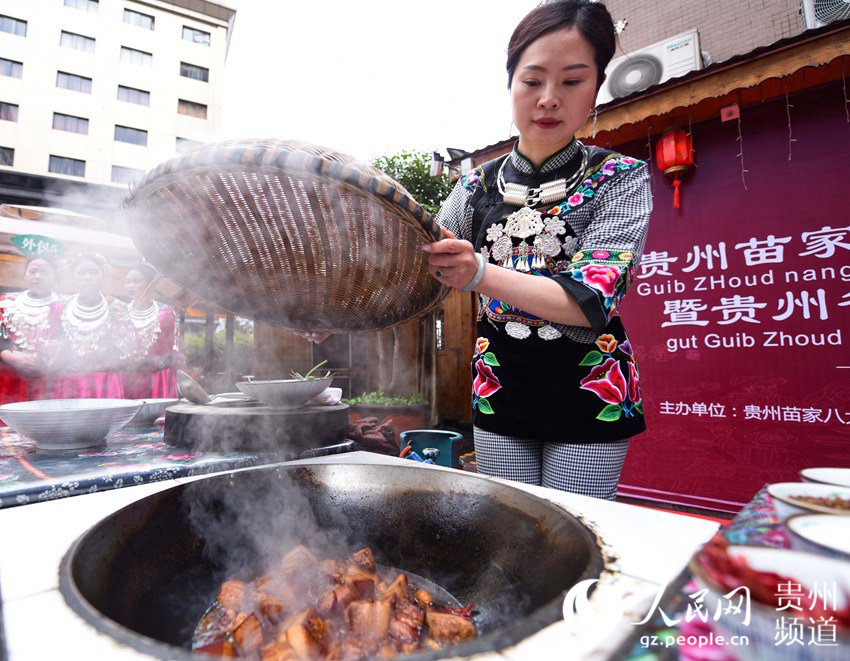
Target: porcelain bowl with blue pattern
825, 534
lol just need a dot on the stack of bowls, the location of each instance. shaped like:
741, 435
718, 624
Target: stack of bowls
814, 576
818, 527
765, 626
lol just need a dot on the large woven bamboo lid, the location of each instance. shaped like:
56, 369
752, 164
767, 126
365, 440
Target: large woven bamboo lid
291, 234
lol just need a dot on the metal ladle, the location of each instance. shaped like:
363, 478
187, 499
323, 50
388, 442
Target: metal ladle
191, 389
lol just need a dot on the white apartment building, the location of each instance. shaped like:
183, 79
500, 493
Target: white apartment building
103, 90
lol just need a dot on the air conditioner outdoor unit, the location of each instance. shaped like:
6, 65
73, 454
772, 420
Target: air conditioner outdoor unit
821, 12
652, 65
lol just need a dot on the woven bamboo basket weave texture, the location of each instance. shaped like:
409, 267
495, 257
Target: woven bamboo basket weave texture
291, 234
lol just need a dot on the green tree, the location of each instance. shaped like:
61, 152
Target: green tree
243, 345
413, 171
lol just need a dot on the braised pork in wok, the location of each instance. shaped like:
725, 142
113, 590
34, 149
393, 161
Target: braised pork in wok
311, 609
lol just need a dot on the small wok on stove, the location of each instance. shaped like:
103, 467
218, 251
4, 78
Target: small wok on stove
146, 574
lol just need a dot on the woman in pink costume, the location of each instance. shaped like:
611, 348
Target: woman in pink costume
96, 338
158, 344
27, 320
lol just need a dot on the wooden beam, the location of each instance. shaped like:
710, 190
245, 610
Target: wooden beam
745, 74
229, 332
209, 350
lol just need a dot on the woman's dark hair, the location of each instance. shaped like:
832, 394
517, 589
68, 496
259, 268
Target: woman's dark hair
591, 19
49, 260
93, 257
148, 272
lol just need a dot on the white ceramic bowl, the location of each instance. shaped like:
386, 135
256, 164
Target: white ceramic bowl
786, 505
820, 533
284, 393
810, 572
69, 424
151, 410
839, 477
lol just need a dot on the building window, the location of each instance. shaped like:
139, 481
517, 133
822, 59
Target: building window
70, 123
86, 5
138, 18
196, 36
7, 156
195, 72
11, 68
16, 26
191, 108
76, 41
8, 111
132, 95
62, 165
184, 145
70, 81
133, 136
134, 56
122, 175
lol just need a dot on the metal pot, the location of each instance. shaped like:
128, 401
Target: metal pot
148, 572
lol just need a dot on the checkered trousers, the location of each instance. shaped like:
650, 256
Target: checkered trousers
589, 469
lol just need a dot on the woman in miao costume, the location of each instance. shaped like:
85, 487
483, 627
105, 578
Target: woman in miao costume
95, 340
549, 237
28, 319
157, 349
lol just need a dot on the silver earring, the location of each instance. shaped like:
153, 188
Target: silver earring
593, 125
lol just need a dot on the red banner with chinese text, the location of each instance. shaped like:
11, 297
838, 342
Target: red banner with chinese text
740, 309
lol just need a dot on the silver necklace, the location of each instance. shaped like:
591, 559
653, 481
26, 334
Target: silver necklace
142, 318
28, 319
27, 300
529, 224
146, 323
551, 191
86, 317
85, 326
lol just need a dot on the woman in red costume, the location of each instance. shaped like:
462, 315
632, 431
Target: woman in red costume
27, 320
158, 344
96, 338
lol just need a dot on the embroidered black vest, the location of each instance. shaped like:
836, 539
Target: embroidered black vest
530, 379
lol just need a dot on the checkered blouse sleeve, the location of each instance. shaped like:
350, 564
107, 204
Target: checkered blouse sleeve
609, 249
456, 212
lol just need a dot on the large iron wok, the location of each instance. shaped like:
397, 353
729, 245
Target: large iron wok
147, 573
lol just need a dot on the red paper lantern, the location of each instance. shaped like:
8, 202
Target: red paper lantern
674, 154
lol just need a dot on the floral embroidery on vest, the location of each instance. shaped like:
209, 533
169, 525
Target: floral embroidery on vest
542, 242
607, 381
594, 177
608, 273
484, 382
472, 179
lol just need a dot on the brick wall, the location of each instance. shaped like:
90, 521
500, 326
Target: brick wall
726, 27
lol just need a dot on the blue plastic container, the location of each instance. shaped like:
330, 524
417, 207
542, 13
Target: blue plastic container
447, 443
